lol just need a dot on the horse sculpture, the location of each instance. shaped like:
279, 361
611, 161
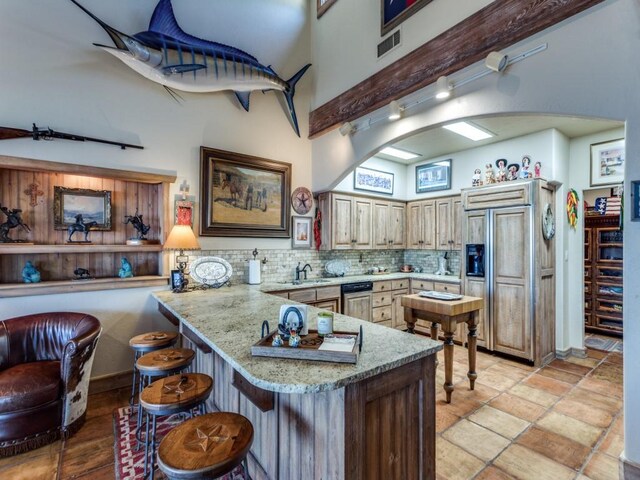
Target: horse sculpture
80, 226
235, 189
136, 221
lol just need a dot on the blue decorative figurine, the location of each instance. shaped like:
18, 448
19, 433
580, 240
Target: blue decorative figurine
30, 273
125, 271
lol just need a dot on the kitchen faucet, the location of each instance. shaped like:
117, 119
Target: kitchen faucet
302, 270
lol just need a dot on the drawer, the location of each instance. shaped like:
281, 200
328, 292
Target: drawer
418, 285
303, 296
382, 286
327, 293
382, 314
500, 195
399, 284
381, 299
446, 287
386, 323
280, 294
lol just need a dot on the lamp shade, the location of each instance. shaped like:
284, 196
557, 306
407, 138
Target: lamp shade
181, 238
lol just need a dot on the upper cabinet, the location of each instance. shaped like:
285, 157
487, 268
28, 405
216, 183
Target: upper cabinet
435, 224
388, 224
347, 222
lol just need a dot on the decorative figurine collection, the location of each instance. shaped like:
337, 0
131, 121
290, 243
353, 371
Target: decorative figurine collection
14, 219
506, 173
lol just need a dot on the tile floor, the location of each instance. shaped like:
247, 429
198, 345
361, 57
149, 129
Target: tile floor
563, 421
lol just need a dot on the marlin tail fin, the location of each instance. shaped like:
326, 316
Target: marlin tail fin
290, 92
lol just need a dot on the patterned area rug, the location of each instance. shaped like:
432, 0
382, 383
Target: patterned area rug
602, 343
129, 462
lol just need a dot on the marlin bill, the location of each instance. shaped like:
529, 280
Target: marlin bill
167, 55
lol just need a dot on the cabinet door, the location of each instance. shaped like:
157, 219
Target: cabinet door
429, 224
363, 219
331, 305
457, 213
381, 224
358, 305
511, 329
396, 231
443, 208
342, 222
414, 225
398, 309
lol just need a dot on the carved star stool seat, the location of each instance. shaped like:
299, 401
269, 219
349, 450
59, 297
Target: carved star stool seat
160, 363
207, 446
144, 343
175, 394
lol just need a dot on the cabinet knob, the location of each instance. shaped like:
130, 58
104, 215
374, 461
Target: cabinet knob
382, 314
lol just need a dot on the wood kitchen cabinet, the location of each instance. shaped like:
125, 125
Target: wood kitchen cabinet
389, 224
435, 224
358, 305
347, 222
326, 298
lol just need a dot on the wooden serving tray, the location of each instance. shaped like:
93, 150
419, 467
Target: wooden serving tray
308, 349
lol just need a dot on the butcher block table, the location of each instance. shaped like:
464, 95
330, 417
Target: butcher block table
448, 313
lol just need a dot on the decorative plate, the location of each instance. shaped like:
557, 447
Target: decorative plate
548, 222
337, 267
210, 270
301, 200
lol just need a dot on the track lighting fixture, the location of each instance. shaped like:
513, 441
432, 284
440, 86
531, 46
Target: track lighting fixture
347, 128
443, 88
395, 112
496, 61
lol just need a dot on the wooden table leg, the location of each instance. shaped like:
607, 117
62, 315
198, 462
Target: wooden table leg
472, 338
410, 319
434, 336
448, 364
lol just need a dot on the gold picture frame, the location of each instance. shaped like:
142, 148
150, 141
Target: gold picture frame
93, 205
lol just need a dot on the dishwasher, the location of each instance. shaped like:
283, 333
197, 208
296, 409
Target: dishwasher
357, 299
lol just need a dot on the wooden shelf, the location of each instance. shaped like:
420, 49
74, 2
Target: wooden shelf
71, 286
21, 249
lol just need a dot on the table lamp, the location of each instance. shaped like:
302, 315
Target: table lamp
181, 238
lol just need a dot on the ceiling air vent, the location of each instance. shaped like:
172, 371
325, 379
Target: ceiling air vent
389, 43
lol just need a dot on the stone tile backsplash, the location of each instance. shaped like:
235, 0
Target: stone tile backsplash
281, 264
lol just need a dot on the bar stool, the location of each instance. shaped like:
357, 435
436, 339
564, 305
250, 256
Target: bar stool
144, 343
160, 363
170, 395
207, 446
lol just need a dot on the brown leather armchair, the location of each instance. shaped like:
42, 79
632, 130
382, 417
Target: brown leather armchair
45, 365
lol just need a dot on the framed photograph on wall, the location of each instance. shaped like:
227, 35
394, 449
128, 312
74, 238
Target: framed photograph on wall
373, 180
71, 205
433, 176
607, 162
394, 12
301, 228
244, 196
323, 6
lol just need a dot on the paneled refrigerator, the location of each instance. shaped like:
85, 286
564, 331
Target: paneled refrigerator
509, 262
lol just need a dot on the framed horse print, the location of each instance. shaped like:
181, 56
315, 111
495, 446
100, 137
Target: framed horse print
244, 196
81, 206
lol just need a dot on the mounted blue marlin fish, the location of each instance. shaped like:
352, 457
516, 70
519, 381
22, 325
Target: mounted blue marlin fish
167, 55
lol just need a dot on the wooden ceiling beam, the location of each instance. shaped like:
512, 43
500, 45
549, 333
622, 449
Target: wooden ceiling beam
497, 26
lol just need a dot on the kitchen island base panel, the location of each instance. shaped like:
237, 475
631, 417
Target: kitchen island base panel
380, 428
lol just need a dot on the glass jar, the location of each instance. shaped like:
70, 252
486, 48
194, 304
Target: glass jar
325, 323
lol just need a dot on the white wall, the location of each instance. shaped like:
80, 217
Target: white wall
52, 74
573, 76
345, 52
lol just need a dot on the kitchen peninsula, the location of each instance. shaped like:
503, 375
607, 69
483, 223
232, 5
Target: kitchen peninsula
374, 419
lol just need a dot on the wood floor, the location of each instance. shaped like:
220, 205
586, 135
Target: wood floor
563, 421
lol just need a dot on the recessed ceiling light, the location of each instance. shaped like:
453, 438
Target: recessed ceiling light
396, 152
468, 130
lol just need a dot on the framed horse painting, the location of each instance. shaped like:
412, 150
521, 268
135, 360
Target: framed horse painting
81, 206
243, 196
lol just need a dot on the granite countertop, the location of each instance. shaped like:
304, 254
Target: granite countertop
326, 282
229, 321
